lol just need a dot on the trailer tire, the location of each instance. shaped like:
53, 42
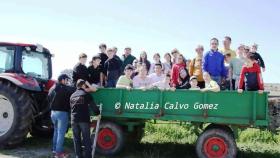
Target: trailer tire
218, 126
216, 143
110, 139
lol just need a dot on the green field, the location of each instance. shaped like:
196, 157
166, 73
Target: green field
165, 140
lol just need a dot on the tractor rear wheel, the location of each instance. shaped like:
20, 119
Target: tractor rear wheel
216, 142
15, 114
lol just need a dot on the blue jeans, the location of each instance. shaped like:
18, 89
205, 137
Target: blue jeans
218, 79
60, 122
111, 83
84, 129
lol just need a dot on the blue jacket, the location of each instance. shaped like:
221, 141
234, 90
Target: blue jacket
213, 63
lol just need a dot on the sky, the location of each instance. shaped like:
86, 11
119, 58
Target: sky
68, 28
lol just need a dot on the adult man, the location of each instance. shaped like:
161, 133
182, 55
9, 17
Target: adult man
80, 102
59, 96
127, 58
80, 70
227, 49
213, 62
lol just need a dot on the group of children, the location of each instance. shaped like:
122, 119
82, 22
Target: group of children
215, 70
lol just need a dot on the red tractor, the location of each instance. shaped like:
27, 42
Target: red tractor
25, 78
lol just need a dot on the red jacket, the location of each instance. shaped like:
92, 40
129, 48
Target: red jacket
175, 73
252, 77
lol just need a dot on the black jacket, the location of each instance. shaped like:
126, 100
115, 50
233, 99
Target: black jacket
259, 59
80, 102
59, 97
80, 72
113, 68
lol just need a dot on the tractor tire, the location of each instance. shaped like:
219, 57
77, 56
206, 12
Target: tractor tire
216, 143
15, 114
110, 140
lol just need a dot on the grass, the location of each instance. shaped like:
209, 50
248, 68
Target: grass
172, 140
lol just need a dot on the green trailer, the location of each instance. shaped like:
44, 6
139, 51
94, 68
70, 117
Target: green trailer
219, 115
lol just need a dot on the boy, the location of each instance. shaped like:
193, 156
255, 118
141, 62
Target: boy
194, 83
236, 66
80, 71
251, 76
210, 85
158, 74
103, 56
125, 80
112, 68
95, 71
258, 57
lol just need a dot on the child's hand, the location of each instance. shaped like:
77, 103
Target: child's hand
260, 91
203, 90
240, 90
173, 89
128, 88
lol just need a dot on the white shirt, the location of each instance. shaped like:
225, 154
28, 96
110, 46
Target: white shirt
161, 85
140, 82
155, 78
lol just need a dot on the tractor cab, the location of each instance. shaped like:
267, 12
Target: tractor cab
25, 79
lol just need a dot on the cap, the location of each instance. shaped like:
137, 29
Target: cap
193, 77
63, 77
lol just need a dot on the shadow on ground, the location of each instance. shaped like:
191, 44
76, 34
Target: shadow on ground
41, 148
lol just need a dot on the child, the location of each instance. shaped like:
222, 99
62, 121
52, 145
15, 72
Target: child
257, 56
210, 85
194, 83
125, 80
142, 81
251, 76
95, 71
80, 71
156, 58
164, 84
112, 68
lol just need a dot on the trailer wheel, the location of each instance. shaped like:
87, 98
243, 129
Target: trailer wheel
110, 139
216, 143
218, 126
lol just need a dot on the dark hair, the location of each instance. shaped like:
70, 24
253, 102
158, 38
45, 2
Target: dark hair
228, 38
110, 50
80, 83
251, 56
158, 64
62, 77
167, 75
158, 56
82, 55
227, 55
215, 39
170, 58
96, 57
127, 48
128, 67
102, 45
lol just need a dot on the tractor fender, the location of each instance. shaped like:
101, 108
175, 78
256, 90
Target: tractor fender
22, 81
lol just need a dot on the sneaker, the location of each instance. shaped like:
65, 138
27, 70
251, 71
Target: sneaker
61, 155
